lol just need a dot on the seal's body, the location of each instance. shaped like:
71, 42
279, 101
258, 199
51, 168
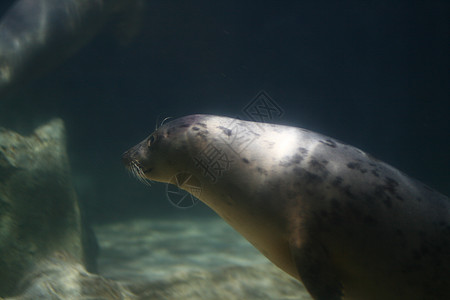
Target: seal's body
345, 224
36, 35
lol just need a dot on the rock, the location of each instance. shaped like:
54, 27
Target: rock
42, 231
60, 277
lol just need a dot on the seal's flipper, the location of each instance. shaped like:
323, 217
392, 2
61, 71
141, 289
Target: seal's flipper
316, 273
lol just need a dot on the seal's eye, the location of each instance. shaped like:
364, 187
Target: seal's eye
150, 141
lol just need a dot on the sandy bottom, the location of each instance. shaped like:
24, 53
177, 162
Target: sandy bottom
190, 259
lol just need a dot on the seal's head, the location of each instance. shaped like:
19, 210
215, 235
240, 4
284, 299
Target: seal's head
167, 151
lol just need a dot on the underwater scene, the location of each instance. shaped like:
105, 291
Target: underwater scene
224, 150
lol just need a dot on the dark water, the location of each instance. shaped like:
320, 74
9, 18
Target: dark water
372, 74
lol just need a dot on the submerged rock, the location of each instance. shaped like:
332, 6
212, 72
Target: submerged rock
61, 277
45, 246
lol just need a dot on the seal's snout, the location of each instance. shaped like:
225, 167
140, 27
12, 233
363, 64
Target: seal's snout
134, 156
126, 158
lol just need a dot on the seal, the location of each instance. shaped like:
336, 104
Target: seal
36, 35
342, 222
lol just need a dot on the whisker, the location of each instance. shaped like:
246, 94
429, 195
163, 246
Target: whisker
162, 123
137, 171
